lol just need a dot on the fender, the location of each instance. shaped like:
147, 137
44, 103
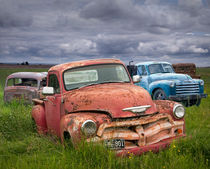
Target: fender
72, 123
166, 106
38, 114
162, 84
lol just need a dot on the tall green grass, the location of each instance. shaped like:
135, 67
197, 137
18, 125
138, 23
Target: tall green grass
21, 147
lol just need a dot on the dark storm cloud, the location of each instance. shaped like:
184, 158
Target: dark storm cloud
11, 15
108, 10
64, 30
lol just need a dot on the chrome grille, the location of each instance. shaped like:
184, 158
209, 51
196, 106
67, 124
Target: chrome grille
187, 88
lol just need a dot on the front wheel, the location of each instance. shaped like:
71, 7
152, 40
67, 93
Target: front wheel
159, 94
192, 103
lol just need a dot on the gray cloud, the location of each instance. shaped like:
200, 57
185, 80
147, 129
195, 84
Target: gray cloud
108, 10
65, 30
11, 15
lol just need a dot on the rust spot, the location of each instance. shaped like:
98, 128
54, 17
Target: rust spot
70, 123
186, 68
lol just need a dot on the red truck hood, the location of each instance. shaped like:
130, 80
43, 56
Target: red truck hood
112, 98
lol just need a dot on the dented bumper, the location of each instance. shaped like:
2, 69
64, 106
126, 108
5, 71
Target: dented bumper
187, 97
154, 147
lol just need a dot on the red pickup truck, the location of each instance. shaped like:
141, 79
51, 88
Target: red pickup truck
97, 100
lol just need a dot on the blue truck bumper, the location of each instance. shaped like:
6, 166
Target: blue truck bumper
187, 97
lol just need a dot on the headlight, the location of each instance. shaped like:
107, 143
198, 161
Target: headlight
172, 84
202, 82
89, 127
178, 111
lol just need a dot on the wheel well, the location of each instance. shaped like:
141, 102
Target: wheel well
67, 139
155, 90
66, 135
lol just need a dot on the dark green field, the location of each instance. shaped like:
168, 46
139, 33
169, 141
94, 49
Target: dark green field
22, 148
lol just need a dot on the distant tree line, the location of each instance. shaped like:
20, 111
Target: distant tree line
24, 63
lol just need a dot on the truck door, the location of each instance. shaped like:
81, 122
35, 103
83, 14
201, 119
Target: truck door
53, 105
144, 77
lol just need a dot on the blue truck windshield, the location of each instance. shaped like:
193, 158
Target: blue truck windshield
160, 68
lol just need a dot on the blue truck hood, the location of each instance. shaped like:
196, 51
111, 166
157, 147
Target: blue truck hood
170, 76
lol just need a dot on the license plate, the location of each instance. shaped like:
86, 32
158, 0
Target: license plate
115, 143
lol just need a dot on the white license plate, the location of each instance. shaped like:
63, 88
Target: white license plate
115, 143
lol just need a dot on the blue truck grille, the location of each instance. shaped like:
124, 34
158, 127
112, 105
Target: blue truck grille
187, 88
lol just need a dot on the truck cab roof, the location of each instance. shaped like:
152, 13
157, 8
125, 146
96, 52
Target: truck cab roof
151, 62
65, 66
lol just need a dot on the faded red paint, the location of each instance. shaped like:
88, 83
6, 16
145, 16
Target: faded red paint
22, 91
65, 112
107, 97
38, 113
63, 67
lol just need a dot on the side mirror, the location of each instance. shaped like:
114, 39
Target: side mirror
48, 91
136, 78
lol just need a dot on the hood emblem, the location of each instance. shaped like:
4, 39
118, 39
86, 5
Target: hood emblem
137, 109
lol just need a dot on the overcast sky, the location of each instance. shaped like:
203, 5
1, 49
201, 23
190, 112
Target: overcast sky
58, 31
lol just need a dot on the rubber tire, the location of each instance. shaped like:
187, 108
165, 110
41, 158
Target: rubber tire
159, 94
192, 103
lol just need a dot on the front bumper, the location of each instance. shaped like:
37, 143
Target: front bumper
187, 97
163, 144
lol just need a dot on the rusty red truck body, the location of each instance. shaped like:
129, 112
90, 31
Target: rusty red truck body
24, 85
96, 100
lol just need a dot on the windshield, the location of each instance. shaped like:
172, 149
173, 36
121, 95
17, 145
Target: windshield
95, 74
168, 68
160, 68
22, 82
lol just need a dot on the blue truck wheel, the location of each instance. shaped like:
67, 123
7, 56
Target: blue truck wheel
159, 94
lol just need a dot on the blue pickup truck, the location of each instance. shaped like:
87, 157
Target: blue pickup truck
160, 80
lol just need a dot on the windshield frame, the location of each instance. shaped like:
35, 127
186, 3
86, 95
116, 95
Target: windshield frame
129, 78
161, 64
21, 82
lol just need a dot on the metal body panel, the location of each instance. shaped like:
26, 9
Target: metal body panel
111, 98
163, 144
24, 92
35, 75
38, 114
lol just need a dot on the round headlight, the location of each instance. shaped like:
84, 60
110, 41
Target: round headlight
89, 127
179, 111
202, 82
172, 84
